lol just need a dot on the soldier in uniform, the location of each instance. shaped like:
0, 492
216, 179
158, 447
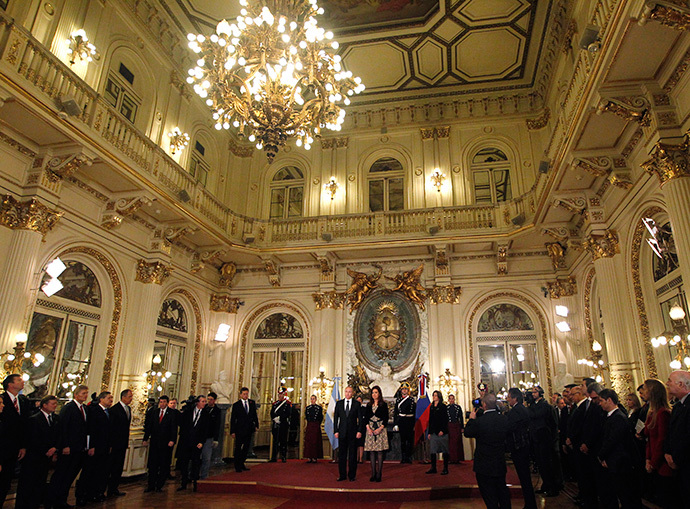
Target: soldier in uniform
280, 414
404, 418
456, 424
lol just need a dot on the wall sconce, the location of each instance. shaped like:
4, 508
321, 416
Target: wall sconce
447, 383
331, 187
156, 376
178, 140
322, 386
595, 361
80, 47
437, 178
222, 333
13, 362
680, 339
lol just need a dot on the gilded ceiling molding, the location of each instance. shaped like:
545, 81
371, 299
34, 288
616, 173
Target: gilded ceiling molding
28, 215
152, 272
557, 254
670, 13
227, 274
225, 303
602, 246
562, 287
175, 233
634, 140
117, 210
573, 204
669, 161
244, 339
633, 109
540, 122
427, 133
199, 260
240, 150
117, 307
7, 140
327, 143
543, 338
678, 73
61, 167
597, 166
329, 300
621, 180
197, 337
560, 233
589, 281
448, 294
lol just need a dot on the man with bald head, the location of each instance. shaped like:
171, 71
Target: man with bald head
677, 446
490, 430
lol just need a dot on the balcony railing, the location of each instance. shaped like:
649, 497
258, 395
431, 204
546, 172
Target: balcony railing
43, 76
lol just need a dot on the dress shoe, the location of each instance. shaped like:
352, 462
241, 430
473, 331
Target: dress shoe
284, 460
81, 503
239, 471
431, 471
378, 478
245, 469
551, 494
341, 479
372, 478
194, 487
540, 492
353, 479
272, 460
444, 472
182, 488
98, 499
148, 490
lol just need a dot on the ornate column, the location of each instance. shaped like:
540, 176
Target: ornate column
31, 221
616, 309
223, 355
330, 305
140, 330
671, 164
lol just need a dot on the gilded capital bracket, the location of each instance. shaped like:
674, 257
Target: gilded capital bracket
62, 167
540, 122
225, 304
602, 246
29, 215
671, 13
562, 287
557, 254
152, 272
117, 210
633, 109
329, 300
444, 294
669, 161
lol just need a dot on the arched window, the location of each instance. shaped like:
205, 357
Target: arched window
491, 176
507, 346
386, 185
287, 193
198, 166
119, 91
170, 345
63, 329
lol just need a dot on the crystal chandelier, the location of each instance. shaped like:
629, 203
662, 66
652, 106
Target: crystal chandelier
273, 74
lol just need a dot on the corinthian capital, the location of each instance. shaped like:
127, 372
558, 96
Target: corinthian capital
29, 215
225, 303
669, 161
602, 246
152, 272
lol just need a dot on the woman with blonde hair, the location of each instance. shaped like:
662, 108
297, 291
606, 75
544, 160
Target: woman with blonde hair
656, 430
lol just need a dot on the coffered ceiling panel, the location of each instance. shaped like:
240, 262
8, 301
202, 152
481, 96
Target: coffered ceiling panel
481, 11
429, 61
505, 46
387, 70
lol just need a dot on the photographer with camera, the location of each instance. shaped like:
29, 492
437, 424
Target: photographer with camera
518, 444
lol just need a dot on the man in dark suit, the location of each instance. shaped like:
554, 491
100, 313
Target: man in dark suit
677, 446
348, 428
590, 443
616, 455
213, 438
490, 430
160, 434
243, 423
518, 444
13, 441
42, 441
543, 433
95, 473
194, 428
120, 422
71, 449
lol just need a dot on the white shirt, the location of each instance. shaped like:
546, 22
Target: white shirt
577, 405
682, 400
14, 399
47, 415
611, 412
127, 409
347, 404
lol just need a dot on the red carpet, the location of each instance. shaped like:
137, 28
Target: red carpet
298, 480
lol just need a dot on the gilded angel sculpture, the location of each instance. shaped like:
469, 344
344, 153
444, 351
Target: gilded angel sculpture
408, 283
362, 284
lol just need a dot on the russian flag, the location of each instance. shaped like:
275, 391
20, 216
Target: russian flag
330, 412
422, 413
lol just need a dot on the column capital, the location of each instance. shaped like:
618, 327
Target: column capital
28, 215
671, 13
329, 300
448, 294
152, 272
225, 303
602, 245
562, 287
669, 161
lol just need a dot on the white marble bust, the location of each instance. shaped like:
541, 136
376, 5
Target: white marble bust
386, 382
223, 388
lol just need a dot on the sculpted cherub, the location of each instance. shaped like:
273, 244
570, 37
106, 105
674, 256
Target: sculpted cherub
408, 283
362, 284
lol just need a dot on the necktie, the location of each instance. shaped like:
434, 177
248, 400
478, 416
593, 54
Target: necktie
129, 413
246, 406
107, 413
196, 416
347, 407
83, 414
16, 404
160, 417
50, 420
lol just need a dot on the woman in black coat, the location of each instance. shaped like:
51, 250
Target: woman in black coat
376, 437
438, 432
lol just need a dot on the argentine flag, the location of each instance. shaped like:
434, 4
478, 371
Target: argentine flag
330, 412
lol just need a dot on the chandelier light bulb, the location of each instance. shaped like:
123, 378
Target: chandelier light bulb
676, 312
157, 359
675, 364
596, 346
686, 361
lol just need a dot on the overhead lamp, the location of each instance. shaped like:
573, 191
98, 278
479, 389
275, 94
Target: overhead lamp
157, 359
563, 326
562, 311
331, 187
497, 365
222, 333
596, 346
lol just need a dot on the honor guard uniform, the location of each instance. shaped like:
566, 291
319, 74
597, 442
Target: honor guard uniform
280, 415
404, 418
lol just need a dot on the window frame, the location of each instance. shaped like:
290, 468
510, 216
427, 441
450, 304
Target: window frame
491, 167
386, 177
288, 185
126, 91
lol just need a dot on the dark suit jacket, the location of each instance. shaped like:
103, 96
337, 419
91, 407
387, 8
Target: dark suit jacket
348, 425
381, 413
490, 430
593, 426
241, 422
576, 423
214, 415
98, 428
73, 430
678, 439
518, 420
41, 436
160, 432
193, 434
14, 423
617, 442
563, 415
543, 422
438, 419
119, 427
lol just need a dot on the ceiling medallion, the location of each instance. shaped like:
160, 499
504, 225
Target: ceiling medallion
273, 74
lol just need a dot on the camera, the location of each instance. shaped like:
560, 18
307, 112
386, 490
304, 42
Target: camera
477, 403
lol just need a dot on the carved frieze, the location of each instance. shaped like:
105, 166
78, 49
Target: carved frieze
28, 215
62, 167
227, 274
329, 300
671, 13
669, 161
633, 108
445, 294
116, 211
557, 254
240, 150
152, 272
540, 122
225, 303
562, 287
602, 245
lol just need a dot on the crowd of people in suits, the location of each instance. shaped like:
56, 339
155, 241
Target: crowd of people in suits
89, 441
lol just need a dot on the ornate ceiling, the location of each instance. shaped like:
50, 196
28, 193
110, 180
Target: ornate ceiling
413, 49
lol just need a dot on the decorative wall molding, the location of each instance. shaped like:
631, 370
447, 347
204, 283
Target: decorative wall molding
225, 303
539, 122
329, 300
562, 287
669, 161
602, 245
444, 294
28, 215
630, 108
152, 272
